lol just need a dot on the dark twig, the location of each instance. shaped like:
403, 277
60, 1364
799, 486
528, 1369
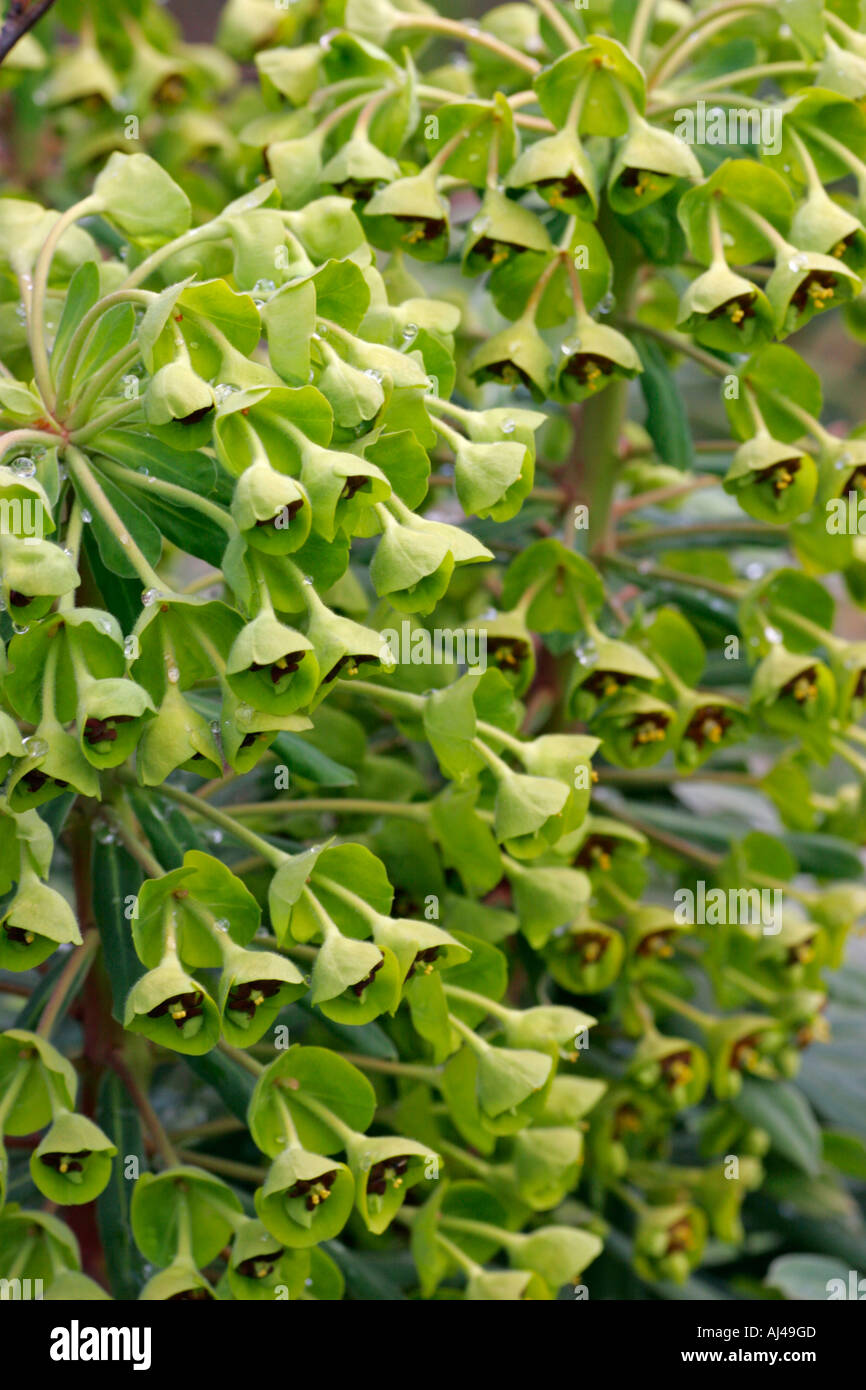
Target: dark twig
22, 16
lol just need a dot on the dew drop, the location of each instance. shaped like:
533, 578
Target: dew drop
130, 645
149, 597
86, 516
24, 466
173, 674
508, 426
773, 635
222, 923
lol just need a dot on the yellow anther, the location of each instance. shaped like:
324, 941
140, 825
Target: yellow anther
736, 313
64, 1166
593, 775
177, 1011
591, 951
839, 250
713, 730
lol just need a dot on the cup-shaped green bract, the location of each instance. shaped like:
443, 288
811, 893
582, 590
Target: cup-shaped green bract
744, 1043
201, 907
305, 1198
705, 724
341, 646
512, 1082
547, 1164
558, 169
648, 162
585, 957
841, 470
178, 739
260, 1268
34, 924
412, 214
674, 1070
359, 169
341, 488
72, 1287
139, 198
272, 510
72, 1163
636, 729
669, 1242
355, 981
33, 573
48, 1080
569, 758
805, 283
419, 947
793, 693
604, 667
516, 356
11, 743
181, 1282
499, 230
385, 1169
724, 310
111, 715
593, 356
821, 224
722, 1199
510, 649
493, 480
510, 1285
37, 1244
245, 736
165, 1204
54, 764
171, 1008
849, 670
254, 987
558, 1254
272, 667
355, 395
528, 812
772, 481
176, 393
415, 559
651, 937
544, 1024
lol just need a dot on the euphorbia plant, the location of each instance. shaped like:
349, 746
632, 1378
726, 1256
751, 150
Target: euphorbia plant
282, 884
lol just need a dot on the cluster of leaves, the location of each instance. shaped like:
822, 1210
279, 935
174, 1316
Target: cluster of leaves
224, 400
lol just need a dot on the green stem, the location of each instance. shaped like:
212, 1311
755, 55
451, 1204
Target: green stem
67, 983
183, 495
84, 476
274, 856
350, 806
76, 343
42, 269
671, 55
674, 1004
100, 381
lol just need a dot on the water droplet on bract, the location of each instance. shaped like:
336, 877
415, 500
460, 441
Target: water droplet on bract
24, 466
149, 597
86, 516
68, 553
410, 332
312, 377
19, 631
215, 836
479, 224
264, 287
374, 373
36, 747
843, 461
62, 472
587, 654
509, 426
308, 579
130, 647
569, 347
173, 674
145, 472
222, 923
754, 571
215, 727
244, 714
773, 635
798, 262
787, 168
123, 538
607, 303
223, 389
259, 303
